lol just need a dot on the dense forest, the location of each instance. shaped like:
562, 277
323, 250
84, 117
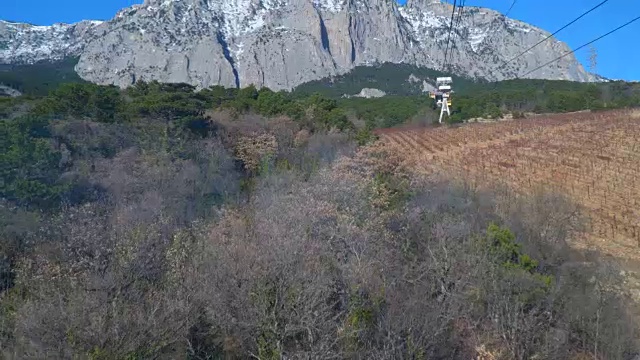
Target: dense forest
161, 222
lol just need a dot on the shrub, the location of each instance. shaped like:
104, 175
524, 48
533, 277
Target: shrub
245, 99
518, 115
271, 103
364, 136
256, 152
502, 243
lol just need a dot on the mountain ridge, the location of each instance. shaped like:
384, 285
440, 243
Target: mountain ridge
281, 44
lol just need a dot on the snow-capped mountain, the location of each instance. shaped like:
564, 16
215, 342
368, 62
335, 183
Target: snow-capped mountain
283, 43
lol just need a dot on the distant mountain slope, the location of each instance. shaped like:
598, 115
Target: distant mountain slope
39, 78
284, 43
410, 80
393, 79
404, 85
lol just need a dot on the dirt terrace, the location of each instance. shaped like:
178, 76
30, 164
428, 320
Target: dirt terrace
594, 158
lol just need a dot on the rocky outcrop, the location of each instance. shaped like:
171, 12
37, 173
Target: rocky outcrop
369, 93
283, 43
6, 91
426, 86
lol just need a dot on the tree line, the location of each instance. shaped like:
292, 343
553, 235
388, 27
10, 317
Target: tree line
473, 98
403, 83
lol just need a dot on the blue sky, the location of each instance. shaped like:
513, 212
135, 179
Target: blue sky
618, 55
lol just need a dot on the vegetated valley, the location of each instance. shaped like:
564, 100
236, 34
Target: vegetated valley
160, 222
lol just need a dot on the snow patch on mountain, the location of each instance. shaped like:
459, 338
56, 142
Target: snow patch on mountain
424, 25
330, 5
518, 25
476, 37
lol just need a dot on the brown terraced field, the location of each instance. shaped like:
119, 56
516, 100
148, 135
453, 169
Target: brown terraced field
594, 158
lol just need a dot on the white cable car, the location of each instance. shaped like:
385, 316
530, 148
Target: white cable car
442, 96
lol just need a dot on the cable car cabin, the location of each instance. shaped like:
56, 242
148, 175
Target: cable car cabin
444, 90
444, 83
437, 99
442, 96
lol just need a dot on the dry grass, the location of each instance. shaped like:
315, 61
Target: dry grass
592, 158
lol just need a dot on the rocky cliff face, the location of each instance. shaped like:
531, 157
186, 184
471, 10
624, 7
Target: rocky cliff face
6, 91
25, 43
283, 43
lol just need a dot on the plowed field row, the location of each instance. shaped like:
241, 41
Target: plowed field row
592, 158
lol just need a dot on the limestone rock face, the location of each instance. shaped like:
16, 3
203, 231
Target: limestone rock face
6, 91
369, 93
284, 43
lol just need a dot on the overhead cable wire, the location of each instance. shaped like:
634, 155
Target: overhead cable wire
455, 27
460, 12
446, 51
557, 31
583, 46
510, 8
